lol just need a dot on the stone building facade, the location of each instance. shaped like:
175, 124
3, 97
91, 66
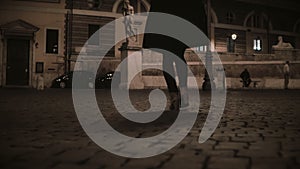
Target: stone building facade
256, 24
46, 36
91, 15
32, 41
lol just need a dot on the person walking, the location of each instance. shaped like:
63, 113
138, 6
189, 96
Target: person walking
286, 74
192, 11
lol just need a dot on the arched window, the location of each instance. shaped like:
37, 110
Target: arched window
257, 20
230, 17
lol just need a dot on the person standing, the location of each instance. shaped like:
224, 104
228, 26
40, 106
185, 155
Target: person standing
245, 76
286, 74
192, 11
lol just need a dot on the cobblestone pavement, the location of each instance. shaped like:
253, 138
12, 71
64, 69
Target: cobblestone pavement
259, 129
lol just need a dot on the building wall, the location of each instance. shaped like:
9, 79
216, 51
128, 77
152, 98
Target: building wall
234, 16
73, 31
85, 14
263, 64
80, 31
44, 16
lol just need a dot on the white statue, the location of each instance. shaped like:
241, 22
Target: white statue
282, 45
128, 12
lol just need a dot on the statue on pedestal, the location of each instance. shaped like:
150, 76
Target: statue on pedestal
282, 45
128, 12
130, 67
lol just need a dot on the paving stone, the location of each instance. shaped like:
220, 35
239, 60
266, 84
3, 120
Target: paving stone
247, 139
293, 146
249, 133
75, 156
188, 164
235, 124
75, 166
269, 163
151, 162
265, 146
228, 163
107, 160
290, 154
9, 154
276, 139
182, 160
208, 145
231, 145
219, 133
258, 153
221, 138
222, 153
22, 165
273, 134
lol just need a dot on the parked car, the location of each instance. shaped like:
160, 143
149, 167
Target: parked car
105, 81
65, 81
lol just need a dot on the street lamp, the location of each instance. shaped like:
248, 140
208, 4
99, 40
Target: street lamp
232, 42
233, 36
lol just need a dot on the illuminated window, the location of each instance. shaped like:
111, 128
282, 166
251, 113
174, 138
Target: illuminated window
200, 49
257, 44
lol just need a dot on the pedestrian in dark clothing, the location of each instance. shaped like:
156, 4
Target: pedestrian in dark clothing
192, 11
286, 73
245, 76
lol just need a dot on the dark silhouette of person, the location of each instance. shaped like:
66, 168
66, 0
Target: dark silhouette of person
192, 11
245, 76
286, 74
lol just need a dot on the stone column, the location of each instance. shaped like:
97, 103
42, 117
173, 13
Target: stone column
131, 67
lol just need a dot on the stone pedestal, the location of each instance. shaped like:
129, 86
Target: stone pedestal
131, 67
285, 53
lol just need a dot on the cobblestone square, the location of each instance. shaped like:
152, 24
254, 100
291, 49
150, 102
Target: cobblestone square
260, 129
